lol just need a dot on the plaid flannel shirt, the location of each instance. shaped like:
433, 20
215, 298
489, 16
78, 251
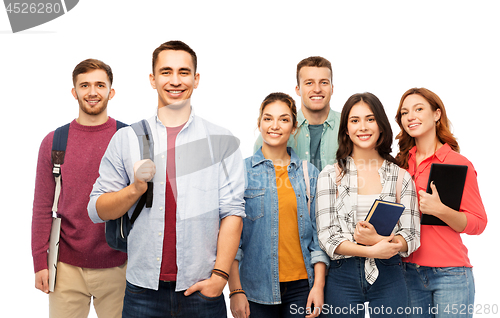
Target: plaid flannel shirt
336, 214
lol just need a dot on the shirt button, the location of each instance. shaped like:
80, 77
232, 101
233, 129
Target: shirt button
159, 234
307, 152
161, 208
158, 259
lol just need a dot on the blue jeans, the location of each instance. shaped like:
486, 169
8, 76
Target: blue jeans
166, 302
293, 302
347, 289
440, 291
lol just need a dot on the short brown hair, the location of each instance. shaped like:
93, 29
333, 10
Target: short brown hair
175, 46
89, 65
314, 61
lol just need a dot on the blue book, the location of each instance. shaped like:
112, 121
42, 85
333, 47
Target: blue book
384, 216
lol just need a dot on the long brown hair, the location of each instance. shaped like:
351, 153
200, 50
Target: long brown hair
384, 142
444, 135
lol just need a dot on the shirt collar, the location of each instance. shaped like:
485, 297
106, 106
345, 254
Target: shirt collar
440, 154
191, 118
259, 158
330, 120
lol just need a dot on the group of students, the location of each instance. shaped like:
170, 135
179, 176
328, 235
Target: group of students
303, 248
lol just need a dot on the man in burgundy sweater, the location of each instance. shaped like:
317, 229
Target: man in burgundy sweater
88, 268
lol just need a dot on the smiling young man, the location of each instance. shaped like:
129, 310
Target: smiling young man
88, 268
181, 249
315, 139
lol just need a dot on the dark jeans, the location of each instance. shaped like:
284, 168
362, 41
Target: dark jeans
346, 289
165, 302
293, 302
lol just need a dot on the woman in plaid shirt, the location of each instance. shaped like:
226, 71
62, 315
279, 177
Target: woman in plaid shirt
365, 267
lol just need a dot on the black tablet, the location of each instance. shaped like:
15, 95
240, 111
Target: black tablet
449, 181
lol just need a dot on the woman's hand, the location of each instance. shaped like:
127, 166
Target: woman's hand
430, 203
315, 302
239, 306
366, 234
386, 248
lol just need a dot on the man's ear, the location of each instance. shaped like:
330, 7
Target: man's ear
297, 90
73, 91
196, 80
111, 93
152, 80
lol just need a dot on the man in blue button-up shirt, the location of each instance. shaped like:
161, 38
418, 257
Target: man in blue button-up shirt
208, 187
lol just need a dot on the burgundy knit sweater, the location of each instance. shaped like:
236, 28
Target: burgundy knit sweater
82, 242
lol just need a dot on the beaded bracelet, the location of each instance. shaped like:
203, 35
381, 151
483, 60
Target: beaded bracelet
220, 273
237, 291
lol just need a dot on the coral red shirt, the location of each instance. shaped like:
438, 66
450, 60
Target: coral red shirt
441, 246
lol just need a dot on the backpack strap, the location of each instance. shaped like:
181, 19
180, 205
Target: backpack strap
399, 184
308, 185
120, 125
59, 143
146, 146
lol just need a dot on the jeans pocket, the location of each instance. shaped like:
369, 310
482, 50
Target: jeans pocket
451, 271
336, 264
207, 298
133, 289
393, 261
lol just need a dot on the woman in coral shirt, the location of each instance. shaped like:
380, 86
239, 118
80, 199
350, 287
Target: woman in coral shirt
439, 274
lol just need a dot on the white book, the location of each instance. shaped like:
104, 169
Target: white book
53, 256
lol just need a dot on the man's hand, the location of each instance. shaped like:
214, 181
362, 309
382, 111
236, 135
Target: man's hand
113, 205
211, 287
42, 280
144, 171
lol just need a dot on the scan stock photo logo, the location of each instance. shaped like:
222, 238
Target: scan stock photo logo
28, 14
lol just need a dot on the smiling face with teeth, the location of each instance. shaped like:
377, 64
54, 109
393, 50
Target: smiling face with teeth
93, 91
174, 77
276, 125
315, 88
417, 117
362, 127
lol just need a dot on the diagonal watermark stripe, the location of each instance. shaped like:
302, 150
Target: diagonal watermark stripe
27, 14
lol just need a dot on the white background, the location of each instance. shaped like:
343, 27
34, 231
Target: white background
247, 50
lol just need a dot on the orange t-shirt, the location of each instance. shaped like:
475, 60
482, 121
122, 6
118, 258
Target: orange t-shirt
290, 259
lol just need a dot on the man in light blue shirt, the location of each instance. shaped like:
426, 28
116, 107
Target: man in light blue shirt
181, 249
315, 139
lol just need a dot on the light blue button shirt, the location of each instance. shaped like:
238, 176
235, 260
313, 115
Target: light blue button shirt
210, 186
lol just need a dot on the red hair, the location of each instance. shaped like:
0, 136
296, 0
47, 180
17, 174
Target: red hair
444, 135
